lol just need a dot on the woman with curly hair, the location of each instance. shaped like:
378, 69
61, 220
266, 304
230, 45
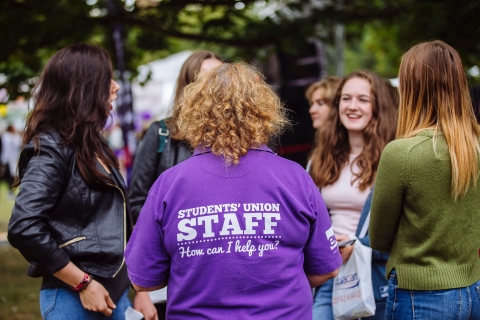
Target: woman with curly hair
425, 209
344, 163
236, 231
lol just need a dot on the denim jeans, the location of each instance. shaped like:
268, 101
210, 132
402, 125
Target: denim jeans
458, 303
322, 304
61, 304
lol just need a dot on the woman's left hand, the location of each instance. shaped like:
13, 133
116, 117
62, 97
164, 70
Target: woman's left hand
142, 303
345, 252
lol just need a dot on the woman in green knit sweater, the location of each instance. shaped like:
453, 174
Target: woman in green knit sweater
426, 203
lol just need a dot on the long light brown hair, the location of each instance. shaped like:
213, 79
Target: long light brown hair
434, 95
230, 110
71, 98
332, 147
189, 71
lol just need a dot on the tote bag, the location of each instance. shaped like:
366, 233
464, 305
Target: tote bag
352, 295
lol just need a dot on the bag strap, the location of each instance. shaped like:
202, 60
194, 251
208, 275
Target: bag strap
364, 230
163, 134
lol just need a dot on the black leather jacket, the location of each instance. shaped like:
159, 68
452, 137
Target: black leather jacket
149, 164
58, 218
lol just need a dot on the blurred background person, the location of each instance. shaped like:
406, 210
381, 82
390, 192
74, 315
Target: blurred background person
11, 145
228, 116
344, 163
320, 96
71, 219
162, 147
425, 208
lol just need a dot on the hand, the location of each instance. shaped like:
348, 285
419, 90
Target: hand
345, 252
142, 303
96, 298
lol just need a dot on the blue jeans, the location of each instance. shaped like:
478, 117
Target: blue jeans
458, 303
61, 303
322, 304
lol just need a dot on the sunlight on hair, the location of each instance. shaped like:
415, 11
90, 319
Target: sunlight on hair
230, 110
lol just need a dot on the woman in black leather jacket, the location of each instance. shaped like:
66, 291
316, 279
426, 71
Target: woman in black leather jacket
71, 218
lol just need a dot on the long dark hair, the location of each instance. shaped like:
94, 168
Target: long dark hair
72, 98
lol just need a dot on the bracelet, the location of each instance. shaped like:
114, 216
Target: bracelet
83, 284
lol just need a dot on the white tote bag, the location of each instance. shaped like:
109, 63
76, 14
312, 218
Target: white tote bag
352, 296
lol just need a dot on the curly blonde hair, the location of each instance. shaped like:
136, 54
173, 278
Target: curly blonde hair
230, 110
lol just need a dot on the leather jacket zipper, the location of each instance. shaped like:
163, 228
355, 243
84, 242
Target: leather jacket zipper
124, 228
69, 242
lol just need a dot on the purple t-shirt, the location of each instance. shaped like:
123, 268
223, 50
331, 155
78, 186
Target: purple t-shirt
234, 242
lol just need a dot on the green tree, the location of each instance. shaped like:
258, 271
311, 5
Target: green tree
377, 30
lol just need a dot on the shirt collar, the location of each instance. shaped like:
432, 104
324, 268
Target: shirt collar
202, 150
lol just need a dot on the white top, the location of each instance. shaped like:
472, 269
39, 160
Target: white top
345, 201
11, 145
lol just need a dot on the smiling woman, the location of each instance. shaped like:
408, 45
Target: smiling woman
345, 160
361, 123
355, 107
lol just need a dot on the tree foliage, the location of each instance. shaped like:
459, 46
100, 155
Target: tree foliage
379, 30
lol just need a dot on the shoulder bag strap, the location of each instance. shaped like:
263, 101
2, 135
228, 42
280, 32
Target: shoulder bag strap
364, 230
163, 134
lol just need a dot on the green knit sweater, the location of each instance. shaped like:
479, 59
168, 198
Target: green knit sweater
433, 241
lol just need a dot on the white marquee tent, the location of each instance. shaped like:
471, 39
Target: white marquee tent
156, 96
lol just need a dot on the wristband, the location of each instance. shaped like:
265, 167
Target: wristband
83, 284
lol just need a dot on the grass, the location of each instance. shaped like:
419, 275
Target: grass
18, 292
6, 205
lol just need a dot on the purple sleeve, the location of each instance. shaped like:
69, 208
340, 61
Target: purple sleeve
321, 251
147, 260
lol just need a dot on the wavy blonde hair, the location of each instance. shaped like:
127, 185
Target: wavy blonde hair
329, 84
230, 110
434, 95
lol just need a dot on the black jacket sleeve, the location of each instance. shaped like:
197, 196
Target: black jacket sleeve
144, 170
42, 177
